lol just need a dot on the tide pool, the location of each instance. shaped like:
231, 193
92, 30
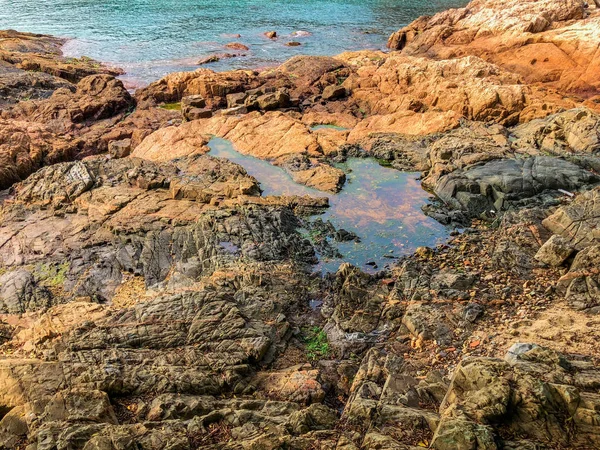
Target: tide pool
380, 204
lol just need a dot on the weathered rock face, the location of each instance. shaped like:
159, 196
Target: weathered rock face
570, 132
55, 109
273, 136
125, 196
468, 87
97, 97
200, 289
535, 39
577, 226
487, 392
41, 53
157, 301
17, 84
63, 127
493, 185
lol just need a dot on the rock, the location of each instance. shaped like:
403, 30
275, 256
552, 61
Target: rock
315, 417
198, 113
494, 185
555, 251
427, 323
321, 176
577, 221
34, 133
237, 46
293, 44
79, 405
216, 58
473, 311
97, 97
462, 434
236, 110
14, 427
159, 301
237, 99
499, 32
271, 34
17, 85
276, 100
482, 395
193, 107
208, 60
42, 53
334, 92
296, 384
120, 149
193, 101
213, 86
273, 136
308, 74
516, 350
19, 292
581, 285
564, 133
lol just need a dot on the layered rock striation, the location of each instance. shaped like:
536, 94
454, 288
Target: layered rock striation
151, 298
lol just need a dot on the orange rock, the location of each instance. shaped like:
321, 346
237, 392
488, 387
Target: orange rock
237, 46
545, 42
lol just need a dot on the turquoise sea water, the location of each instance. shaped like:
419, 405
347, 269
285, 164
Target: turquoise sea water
150, 38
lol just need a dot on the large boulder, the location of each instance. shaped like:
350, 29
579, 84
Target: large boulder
494, 185
544, 41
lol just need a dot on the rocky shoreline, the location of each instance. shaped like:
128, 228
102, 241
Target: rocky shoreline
151, 298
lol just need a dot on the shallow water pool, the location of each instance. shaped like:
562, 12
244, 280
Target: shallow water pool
380, 204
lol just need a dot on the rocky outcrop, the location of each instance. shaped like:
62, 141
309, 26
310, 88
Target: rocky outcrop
212, 86
486, 392
273, 136
65, 126
576, 225
494, 185
546, 43
41, 53
151, 298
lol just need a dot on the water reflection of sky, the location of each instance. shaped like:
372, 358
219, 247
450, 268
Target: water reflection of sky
150, 38
380, 204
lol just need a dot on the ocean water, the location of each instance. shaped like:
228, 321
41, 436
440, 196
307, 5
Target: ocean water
150, 38
380, 204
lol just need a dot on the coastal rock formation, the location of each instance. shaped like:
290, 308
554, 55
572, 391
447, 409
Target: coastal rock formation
550, 43
41, 53
65, 126
151, 298
47, 119
272, 136
494, 185
146, 302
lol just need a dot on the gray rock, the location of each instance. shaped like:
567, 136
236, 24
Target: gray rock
555, 251
19, 292
494, 185
516, 350
120, 149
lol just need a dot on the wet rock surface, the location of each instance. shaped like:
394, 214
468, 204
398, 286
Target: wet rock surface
151, 298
